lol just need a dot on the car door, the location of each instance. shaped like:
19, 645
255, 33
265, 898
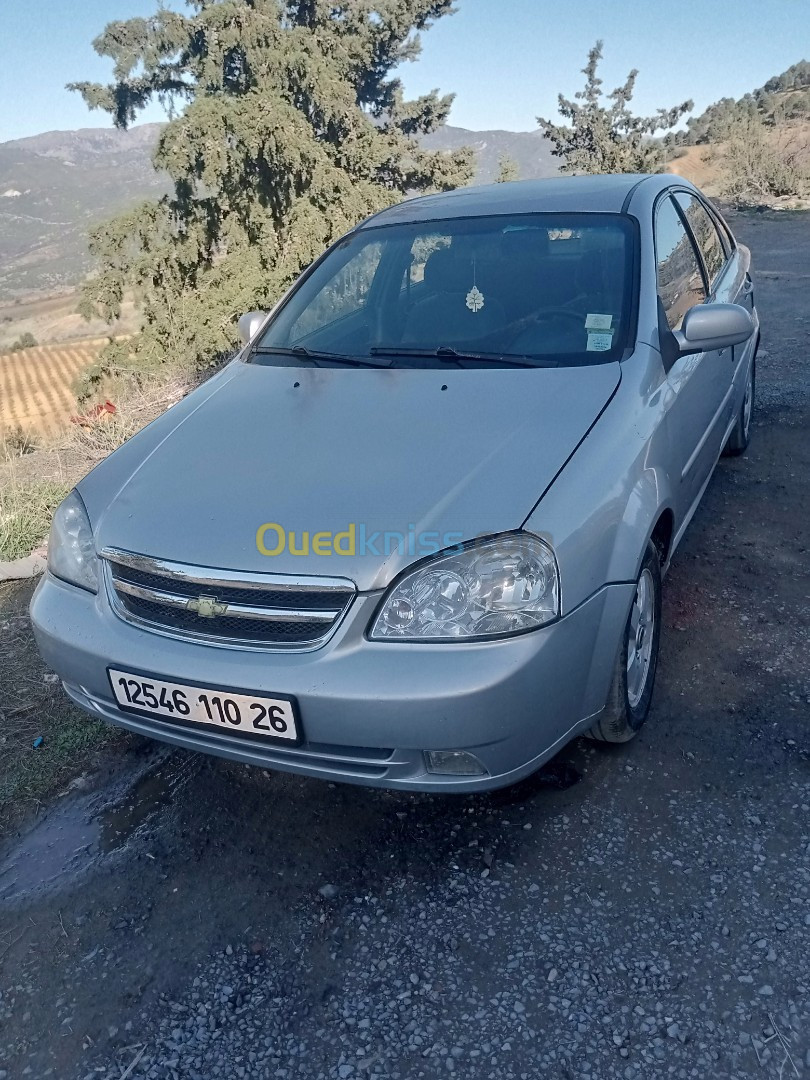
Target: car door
700, 382
727, 272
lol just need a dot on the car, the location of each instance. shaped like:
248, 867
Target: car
413, 535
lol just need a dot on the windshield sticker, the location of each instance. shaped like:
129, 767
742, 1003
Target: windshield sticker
598, 322
475, 299
600, 340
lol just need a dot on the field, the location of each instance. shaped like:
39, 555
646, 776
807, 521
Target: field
36, 386
53, 319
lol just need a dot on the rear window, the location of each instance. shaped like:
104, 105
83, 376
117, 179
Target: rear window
544, 288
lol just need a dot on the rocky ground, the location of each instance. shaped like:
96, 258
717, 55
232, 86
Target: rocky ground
632, 912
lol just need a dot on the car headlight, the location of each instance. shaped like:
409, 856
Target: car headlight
71, 550
490, 588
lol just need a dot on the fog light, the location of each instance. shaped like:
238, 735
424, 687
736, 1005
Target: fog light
454, 762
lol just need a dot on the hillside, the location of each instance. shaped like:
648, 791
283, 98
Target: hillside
701, 165
783, 100
530, 149
54, 186
754, 150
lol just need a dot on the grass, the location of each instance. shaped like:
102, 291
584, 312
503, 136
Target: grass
28, 775
32, 705
33, 481
25, 515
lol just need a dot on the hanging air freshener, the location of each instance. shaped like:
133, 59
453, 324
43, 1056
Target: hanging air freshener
475, 298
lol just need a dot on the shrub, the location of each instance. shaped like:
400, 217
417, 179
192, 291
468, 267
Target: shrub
24, 341
17, 442
600, 133
759, 165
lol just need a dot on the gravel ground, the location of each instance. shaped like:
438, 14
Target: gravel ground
632, 912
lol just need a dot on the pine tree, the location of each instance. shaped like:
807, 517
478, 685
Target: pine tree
607, 137
508, 170
286, 128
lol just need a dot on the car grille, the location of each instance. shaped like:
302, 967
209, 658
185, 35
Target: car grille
224, 607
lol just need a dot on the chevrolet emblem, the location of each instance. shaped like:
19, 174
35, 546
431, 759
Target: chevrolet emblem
207, 607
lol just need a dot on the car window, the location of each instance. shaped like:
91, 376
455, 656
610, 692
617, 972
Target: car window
552, 287
345, 294
680, 280
729, 243
705, 233
726, 239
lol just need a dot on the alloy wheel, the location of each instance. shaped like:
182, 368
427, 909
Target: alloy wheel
748, 403
640, 635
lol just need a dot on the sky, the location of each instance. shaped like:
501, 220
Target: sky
506, 60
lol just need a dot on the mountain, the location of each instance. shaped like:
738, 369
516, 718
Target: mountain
529, 149
54, 186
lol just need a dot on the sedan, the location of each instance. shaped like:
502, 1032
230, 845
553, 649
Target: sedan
413, 535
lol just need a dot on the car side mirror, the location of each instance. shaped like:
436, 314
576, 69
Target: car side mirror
250, 323
709, 327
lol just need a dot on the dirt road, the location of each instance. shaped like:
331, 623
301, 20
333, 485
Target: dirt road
637, 912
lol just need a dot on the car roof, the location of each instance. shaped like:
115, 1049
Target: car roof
559, 194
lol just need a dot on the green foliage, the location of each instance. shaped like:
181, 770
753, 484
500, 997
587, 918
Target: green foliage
783, 98
508, 170
24, 341
117, 359
760, 164
292, 130
604, 136
797, 77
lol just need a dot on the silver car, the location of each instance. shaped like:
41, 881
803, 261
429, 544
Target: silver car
413, 535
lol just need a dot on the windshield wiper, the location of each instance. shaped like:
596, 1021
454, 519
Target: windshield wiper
314, 354
448, 355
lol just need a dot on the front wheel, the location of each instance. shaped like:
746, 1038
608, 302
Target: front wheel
631, 691
741, 432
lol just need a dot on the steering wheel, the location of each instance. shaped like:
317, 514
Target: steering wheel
553, 313
544, 316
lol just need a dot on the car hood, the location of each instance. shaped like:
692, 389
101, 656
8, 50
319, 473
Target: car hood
454, 454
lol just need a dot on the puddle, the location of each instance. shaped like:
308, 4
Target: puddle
59, 843
80, 830
119, 822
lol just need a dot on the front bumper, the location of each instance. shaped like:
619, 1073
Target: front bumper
368, 710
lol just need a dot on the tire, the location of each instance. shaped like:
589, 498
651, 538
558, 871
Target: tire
741, 433
634, 677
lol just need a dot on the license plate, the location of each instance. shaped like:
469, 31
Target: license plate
270, 718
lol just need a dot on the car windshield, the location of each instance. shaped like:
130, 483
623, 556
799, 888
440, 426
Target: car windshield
532, 289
